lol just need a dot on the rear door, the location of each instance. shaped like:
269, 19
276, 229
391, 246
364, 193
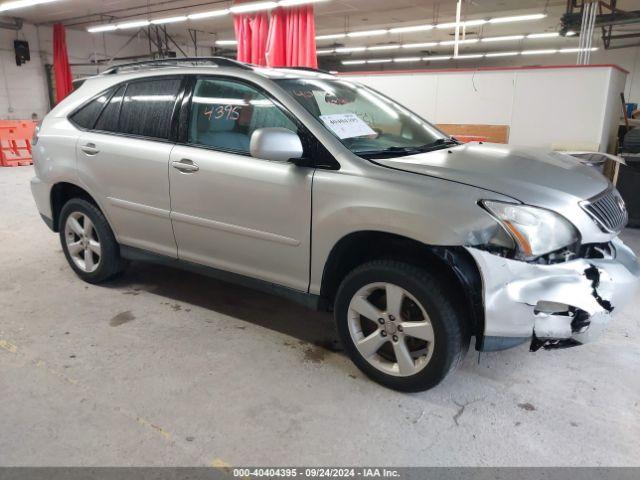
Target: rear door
124, 158
230, 210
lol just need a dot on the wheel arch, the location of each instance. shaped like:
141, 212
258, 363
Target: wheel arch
61, 193
451, 263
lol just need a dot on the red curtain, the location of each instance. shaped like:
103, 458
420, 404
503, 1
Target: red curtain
277, 39
301, 37
64, 80
251, 33
286, 39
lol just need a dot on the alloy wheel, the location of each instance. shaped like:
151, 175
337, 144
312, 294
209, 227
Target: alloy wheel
83, 243
391, 329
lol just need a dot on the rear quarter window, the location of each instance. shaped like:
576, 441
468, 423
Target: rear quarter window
108, 121
86, 116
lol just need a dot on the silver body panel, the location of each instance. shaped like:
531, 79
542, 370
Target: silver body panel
129, 175
276, 222
243, 214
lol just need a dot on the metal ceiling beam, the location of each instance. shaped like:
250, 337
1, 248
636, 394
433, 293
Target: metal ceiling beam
572, 20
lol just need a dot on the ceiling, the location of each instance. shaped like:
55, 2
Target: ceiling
331, 16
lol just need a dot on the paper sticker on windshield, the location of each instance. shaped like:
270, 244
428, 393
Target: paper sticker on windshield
347, 125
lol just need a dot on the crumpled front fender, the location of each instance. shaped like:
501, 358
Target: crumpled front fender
559, 305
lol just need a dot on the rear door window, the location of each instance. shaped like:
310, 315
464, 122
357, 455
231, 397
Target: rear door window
148, 107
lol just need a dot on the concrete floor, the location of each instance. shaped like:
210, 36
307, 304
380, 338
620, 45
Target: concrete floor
169, 368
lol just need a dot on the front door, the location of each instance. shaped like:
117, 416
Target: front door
232, 211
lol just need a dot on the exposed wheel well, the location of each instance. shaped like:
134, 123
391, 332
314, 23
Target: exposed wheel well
454, 265
61, 193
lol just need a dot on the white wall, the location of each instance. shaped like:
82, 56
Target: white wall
23, 90
542, 107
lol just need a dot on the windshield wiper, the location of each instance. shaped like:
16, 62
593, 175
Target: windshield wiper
439, 143
397, 151
390, 152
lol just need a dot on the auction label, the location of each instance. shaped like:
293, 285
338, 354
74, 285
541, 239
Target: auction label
347, 125
316, 472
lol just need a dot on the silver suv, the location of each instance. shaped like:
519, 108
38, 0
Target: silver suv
323, 190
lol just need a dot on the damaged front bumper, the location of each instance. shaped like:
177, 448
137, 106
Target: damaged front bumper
553, 306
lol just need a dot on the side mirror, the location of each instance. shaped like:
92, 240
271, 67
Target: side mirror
278, 144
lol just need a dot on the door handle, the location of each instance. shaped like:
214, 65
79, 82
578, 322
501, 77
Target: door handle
90, 149
185, 166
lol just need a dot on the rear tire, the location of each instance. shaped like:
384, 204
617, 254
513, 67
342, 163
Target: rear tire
418, 337
88, 242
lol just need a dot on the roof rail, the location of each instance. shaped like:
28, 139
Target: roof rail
172, 62
309, 69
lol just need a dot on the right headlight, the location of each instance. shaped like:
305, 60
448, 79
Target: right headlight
534, 231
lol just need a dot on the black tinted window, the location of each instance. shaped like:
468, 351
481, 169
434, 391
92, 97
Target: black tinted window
108, 120
224, 115
86, 116
148, 107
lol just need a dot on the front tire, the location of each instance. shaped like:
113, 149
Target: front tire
88, 242
399, 326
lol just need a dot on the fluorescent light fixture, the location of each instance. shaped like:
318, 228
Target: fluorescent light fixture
253, 7
576, 50
518, 18
501, 54
350, 49
293, 3
133, 24
442, 26
466, 57
209, 14
331, 36
506, 38
368, 33
226, 42
384, 47
539, 52
473, 23
325, 51
22, 4
543, 35
416, 28
102, 28
420, 45
161, 21
407, 59
460, 42
437, 58
468, 23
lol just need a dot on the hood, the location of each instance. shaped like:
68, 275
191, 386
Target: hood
531, 175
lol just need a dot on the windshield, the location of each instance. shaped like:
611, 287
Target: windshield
366, 122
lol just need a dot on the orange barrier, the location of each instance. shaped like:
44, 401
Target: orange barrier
15, 142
